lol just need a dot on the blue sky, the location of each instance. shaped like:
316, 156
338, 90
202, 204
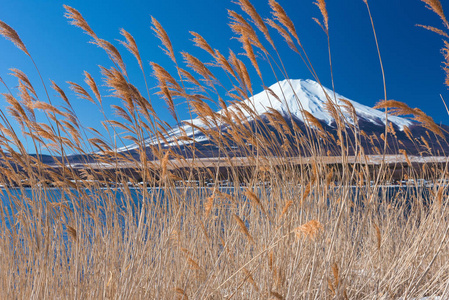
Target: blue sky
411, 55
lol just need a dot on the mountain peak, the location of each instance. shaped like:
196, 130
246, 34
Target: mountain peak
291, 96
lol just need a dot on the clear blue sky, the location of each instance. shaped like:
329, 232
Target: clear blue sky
411, 55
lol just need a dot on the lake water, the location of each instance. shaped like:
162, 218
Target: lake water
129, 200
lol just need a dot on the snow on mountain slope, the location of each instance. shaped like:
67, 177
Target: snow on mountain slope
297, 95
292, 97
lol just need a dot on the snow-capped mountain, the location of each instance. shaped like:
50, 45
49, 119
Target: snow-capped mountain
290, 98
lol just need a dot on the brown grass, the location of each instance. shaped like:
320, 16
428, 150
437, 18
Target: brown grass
296, 217
436, 7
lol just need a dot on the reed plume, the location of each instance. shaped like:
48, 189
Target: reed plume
249, 9
433, 29
93, 86
10, 34
321, 4
72, 232
223, 63
200, 42
436, 7
309, 229
280, 15
276, 295
131, 45
181, 294
253, 197
112, 52
80, 92
285, 209
163, 37
399, 108
198, 66
209, 205
243, 228
24, 79
404, 152
283, 32
312, 120
247, 36
78, 20
445, 51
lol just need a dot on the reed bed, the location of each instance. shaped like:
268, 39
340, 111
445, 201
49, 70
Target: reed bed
143, 227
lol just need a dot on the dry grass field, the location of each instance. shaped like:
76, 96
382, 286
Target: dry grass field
288, 231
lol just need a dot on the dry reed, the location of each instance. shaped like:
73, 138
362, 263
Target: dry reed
163, 223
